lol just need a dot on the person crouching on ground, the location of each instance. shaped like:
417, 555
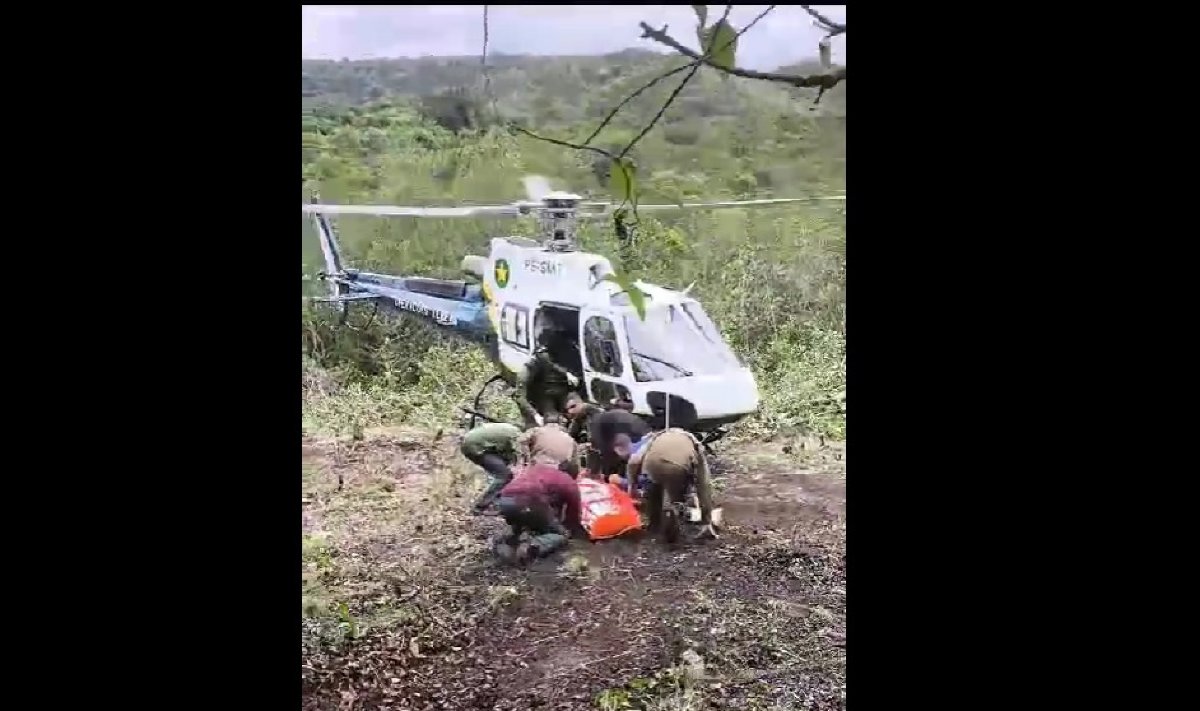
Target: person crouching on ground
672, 460
543, 387
629, 448
548, 444
530, 504
602, 427
492, 446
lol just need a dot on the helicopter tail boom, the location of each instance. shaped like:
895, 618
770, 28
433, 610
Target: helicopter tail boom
456, 306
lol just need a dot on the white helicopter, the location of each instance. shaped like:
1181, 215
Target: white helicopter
671, 362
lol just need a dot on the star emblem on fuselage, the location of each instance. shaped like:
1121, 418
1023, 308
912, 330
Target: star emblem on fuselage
501, 273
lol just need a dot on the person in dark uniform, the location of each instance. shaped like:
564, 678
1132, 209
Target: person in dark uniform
602, 427
543, 388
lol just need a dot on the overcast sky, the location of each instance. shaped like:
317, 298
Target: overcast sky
785, 35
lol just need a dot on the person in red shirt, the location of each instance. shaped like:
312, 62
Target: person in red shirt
531, 503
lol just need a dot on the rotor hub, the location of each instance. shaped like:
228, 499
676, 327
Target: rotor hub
558, 218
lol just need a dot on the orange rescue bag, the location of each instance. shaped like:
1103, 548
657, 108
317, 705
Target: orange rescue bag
607, 511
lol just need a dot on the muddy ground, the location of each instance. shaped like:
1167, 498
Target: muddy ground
404, 608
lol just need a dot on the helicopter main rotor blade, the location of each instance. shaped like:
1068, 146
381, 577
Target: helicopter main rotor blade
733, 203
607, 207
399, 211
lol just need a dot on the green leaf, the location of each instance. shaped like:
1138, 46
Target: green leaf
722, 45
701, 13
623, 181
636, 296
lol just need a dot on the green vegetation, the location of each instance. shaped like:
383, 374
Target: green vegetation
425, 131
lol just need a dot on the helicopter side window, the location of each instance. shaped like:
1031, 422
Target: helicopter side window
514, 326
600, 347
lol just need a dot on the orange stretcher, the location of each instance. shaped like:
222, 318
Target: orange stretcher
607, 511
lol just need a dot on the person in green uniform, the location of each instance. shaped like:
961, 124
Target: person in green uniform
492, 446
544, 386
579, 412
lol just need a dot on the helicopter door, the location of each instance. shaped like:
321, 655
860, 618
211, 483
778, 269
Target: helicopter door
605, 360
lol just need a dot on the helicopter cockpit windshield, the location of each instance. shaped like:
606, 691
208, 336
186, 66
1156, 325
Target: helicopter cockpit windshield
676, 341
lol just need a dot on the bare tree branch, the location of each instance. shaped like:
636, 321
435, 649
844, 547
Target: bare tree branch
560, 142
483, 57
666, 105
754, 22
696, 61
695, 66
620, 164
487, 76
822, 81
826, 81
835, 28
613, 114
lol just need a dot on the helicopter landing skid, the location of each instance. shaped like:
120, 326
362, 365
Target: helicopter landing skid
712, 437
474, 411
477, 415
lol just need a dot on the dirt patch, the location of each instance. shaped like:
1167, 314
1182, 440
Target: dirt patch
406, 610
774, 487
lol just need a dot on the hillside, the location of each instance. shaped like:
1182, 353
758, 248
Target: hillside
573, 88
772, 131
